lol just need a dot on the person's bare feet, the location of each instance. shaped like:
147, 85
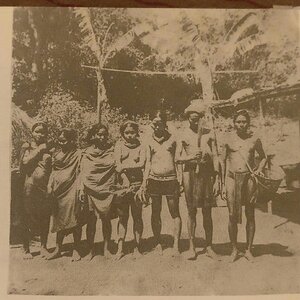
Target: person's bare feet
191, 254
107, 254
54, 255
75, 256
249, 256
27, 255
175, 252
211, 253
89, 256
137, 253
120, 254
158, 249
234, 255
44, 253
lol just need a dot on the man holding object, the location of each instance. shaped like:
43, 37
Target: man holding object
200, 177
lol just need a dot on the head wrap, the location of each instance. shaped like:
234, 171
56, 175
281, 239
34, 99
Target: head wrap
197, 106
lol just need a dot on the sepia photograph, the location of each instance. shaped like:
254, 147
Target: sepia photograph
154, 152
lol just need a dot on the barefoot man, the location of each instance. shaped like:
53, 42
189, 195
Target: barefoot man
238, 186
160, 179
199, 185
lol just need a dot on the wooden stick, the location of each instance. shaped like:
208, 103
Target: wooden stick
146, 72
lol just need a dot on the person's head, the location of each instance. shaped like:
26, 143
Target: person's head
159, 123
194, 117
130, 131
98, 135
40, 132
195, 111
67, 138
241, 121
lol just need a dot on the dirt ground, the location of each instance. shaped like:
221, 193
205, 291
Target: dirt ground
276, 268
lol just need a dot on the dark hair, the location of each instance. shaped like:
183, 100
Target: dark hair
131, 124
70, 134
35, 125
94, 129
241, 112
160, 115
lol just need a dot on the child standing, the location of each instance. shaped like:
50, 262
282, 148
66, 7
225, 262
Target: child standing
130, 161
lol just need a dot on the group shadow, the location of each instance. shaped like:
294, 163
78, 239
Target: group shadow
221, 249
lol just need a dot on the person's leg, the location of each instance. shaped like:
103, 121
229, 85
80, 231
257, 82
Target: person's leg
192, 212
45, 223
173, 205
138, 226
106, 230
250, 229
26, 213
232, 224
77, 232
26, 240
156, 220
59, 241
208, 228
90, 234
123, 213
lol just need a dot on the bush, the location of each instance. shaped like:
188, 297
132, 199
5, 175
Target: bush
61, 109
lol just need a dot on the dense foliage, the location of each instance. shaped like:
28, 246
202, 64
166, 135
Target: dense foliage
55, 71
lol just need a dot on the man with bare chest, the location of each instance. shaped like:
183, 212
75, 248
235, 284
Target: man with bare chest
239, 186
200, 177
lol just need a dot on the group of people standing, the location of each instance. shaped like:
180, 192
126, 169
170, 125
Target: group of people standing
105, 181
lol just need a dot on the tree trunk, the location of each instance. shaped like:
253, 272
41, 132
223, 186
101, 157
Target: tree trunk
101, 95
34, 36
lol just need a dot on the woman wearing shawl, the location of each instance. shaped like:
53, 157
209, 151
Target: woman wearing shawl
130, 161
35, 167
63, 191
98, 176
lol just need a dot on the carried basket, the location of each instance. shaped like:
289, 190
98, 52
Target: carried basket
271, 179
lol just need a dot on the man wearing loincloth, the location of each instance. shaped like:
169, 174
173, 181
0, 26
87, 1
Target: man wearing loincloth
200, 176
239, 186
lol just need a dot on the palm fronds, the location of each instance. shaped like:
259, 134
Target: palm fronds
88, 34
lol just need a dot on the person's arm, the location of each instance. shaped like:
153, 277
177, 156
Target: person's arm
117, 155
30, 157
50, 184
81, 176
262, 156
179, 152
215, 156
179, 165
142, 160
147, 165
223, 160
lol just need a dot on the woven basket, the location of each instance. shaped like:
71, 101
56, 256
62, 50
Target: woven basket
271, 179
